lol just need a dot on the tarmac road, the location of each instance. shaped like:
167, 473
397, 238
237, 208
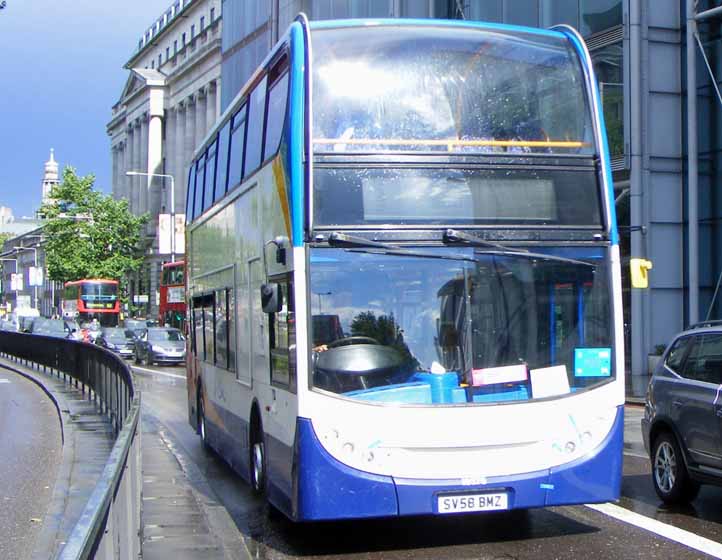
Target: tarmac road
30, 453
637, 527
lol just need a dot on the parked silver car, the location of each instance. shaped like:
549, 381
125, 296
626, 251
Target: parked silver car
682, 424
161, 345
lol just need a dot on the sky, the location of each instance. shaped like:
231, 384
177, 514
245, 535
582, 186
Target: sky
61, 71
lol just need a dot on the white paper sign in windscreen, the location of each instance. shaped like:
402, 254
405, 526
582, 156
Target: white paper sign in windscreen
549, 382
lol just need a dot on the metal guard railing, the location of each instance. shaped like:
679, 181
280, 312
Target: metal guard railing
109, 526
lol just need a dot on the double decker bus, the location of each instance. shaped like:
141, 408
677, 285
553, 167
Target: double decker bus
172, 307
404, 274
85, 300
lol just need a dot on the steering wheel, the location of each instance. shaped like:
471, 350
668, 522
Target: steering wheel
348, 340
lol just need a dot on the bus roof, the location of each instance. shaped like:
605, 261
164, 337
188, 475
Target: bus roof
338, 23
92, 281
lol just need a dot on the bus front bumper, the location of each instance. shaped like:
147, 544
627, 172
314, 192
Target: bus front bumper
325, 488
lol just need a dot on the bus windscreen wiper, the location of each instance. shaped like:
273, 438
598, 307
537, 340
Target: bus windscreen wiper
336, 239
353, 243
455, 236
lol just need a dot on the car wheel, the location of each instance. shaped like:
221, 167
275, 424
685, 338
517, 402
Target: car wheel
669, 472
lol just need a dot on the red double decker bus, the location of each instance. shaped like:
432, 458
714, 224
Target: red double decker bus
85, 300
172, 308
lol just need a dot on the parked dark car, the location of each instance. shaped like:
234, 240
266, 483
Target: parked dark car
160, 344
139, 326
117, 339
57, 328
682, 425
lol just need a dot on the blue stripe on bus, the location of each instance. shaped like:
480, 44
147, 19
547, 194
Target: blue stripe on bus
605, 143
297, 109
331, 24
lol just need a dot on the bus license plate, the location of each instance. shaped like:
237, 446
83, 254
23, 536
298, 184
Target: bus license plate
472, 502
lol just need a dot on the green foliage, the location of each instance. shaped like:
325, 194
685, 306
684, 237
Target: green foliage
3, 238
89, 234
384, 330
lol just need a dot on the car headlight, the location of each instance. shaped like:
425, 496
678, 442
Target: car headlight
157, 349
112, 346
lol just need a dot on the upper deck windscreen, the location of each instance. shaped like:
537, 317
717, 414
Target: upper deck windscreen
447, 89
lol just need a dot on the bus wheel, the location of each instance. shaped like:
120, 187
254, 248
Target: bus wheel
258, 456
202, 423
258, 464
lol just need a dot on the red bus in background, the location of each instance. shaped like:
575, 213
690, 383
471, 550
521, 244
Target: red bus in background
85, 300
172, 309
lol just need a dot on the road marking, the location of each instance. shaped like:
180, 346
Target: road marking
155, 372
670, 532
638, 455
2, 380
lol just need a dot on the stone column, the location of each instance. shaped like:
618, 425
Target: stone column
211, 115
190, 130
137, 166
200, 119
145, 182
129, 160
181, 164
114, 173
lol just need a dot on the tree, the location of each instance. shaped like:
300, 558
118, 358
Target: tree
3, 238
89, 234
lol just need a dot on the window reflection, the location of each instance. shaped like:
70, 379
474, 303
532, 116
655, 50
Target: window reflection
608, 67
598, 15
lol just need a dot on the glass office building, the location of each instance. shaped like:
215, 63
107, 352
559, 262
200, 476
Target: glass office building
639, 57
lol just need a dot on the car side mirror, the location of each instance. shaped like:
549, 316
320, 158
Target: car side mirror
271, 298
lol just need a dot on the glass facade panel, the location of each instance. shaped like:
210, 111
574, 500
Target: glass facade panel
484, 10
254, 138
237, 68
554, 12
370, 8
414, 9
598, 15
609, 69
522, 12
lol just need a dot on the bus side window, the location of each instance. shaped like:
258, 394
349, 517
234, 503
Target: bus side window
282, 339
254, 138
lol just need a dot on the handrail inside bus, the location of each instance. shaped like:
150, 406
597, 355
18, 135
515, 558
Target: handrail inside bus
451, 143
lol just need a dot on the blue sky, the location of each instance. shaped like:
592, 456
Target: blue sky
61, 67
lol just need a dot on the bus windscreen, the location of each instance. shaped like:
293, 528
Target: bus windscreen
403, 89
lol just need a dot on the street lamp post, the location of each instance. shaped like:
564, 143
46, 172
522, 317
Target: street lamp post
172, 204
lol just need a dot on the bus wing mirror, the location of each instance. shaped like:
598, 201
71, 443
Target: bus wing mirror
639, 272
271, 298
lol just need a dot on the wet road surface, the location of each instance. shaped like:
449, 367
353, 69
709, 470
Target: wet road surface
30, 454
561, 532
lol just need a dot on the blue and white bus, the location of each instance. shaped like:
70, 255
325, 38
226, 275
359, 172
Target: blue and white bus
404, 274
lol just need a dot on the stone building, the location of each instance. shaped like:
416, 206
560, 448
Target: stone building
170, 100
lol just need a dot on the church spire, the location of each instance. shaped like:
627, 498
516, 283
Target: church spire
51, 177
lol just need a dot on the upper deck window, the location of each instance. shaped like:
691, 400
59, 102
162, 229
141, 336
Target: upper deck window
447, 89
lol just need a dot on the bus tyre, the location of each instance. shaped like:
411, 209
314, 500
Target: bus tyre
258, 467
202, 424
669, 473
